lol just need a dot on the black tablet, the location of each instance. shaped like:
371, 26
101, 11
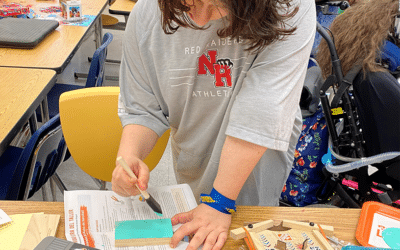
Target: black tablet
23, 32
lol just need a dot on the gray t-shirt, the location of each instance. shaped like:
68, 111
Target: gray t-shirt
205, 87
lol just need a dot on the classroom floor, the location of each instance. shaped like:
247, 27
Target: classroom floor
72, 176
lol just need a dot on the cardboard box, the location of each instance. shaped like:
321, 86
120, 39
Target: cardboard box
71, 10
13, 9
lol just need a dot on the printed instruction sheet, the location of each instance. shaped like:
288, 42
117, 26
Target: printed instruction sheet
90, 215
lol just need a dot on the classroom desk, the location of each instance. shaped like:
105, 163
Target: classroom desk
56, 50
122, 7
344, 221
21, 92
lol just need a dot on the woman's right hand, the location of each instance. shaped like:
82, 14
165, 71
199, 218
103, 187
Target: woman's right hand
123, 184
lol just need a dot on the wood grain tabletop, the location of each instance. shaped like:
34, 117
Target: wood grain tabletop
21, 92
343, 220
122, 7
58, 48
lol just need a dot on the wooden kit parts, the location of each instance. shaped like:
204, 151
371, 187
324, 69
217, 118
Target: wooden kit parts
301, 235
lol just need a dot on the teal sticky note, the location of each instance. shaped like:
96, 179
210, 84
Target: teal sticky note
143, 229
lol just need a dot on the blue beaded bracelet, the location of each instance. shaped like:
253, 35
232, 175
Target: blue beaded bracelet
218, 202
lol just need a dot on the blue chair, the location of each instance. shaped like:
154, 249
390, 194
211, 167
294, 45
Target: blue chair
94, 79
23, 171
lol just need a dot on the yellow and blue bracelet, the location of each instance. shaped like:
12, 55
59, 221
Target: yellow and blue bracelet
218, 202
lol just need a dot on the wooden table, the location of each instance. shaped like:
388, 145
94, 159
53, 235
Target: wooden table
57, 49
21, 92
122, 7
344, 221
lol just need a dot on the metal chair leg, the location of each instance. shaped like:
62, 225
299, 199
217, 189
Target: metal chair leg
55, 178
44, 193
59, 183
53, 189
33, 123
21, 138
97, 181
101, 184
45, 110
83, 75
107, 60
25, 134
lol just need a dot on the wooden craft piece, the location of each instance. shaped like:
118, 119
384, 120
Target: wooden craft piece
328, 230
40, 226
321, 240
299, 236
239, 233
143, 232
280, 245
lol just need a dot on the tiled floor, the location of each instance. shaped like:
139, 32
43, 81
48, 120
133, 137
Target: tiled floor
72, 176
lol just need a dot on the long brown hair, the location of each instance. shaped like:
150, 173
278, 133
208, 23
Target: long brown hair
257, 21
359, 34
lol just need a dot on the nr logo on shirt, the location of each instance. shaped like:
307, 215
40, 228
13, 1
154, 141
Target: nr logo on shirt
220, 69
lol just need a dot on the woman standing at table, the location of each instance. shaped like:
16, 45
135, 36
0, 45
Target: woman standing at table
226, 77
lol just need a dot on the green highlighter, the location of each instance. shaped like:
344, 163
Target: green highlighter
143, 232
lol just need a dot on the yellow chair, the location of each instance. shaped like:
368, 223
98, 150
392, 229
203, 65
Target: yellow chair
92, 130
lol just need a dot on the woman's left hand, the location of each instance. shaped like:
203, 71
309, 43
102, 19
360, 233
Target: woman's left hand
208, 225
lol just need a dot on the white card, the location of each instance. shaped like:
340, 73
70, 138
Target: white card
381, 222
4, 217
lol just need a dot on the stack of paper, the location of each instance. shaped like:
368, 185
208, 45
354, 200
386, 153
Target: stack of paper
25, 231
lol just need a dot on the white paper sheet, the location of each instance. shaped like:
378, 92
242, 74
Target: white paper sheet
4, 217
90, 215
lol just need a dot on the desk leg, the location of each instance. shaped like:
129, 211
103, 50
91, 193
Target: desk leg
98, 32
44, 193
45, 110
33, 123
53, 188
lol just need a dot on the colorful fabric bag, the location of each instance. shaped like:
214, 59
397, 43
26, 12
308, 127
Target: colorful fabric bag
306, 175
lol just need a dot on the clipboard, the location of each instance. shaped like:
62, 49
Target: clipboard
376, 217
